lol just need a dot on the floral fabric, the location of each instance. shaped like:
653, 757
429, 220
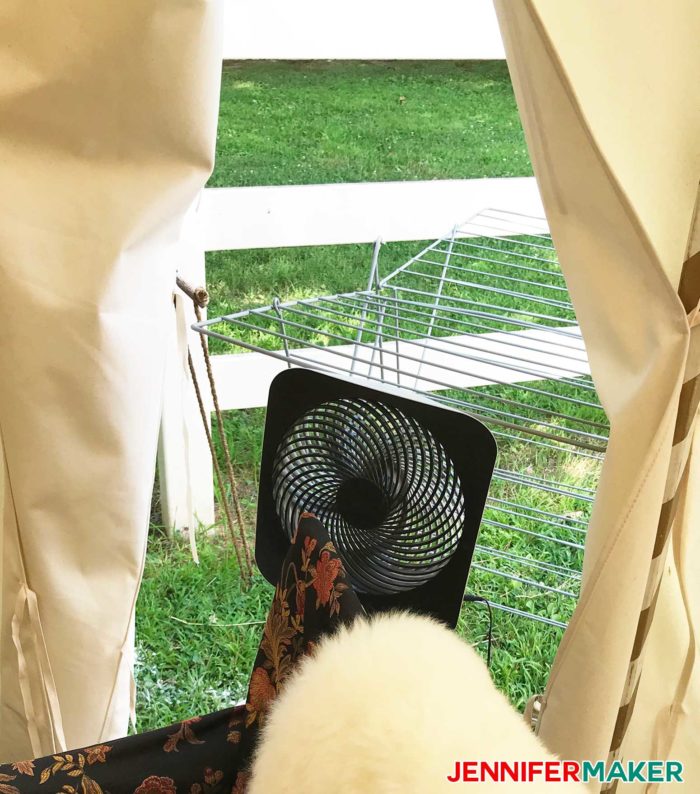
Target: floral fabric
210, 754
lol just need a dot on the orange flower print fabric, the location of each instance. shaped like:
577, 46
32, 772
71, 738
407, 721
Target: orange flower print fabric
157, 785
311, 599
211, 754
324, 582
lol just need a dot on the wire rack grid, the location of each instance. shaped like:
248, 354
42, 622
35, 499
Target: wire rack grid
482, 321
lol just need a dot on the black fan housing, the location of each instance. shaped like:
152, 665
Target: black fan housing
399, 484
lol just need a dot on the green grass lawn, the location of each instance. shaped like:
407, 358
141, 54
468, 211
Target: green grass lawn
198, 634
296, 123
285, 123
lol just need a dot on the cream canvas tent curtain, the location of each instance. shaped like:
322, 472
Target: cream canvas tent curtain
107, 128
609, 97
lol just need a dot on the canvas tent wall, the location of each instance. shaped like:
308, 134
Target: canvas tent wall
107, 131
609, 100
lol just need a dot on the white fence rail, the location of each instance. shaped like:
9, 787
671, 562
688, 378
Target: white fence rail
295, 215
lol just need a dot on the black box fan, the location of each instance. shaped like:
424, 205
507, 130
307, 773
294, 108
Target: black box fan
398, 483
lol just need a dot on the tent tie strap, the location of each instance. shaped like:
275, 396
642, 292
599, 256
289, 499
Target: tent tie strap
36, 681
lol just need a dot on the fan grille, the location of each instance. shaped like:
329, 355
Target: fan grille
381, 484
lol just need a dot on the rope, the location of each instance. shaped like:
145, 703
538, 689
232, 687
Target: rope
200, 298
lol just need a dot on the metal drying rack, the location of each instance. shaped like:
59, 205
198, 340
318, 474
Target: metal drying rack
482, 321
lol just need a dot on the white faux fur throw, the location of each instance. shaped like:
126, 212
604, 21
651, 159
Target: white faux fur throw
390, 706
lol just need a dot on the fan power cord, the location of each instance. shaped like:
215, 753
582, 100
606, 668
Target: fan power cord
469, 598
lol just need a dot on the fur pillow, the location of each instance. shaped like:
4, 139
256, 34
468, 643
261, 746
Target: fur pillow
390, 706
